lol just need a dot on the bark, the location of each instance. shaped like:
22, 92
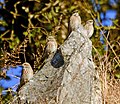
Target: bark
68, 76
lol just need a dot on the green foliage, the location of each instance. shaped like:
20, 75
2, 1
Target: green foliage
1, 90
117, 75
14, 43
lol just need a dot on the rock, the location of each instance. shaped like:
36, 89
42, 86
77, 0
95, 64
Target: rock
74, 82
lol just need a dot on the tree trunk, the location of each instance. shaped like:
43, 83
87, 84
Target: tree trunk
68, 76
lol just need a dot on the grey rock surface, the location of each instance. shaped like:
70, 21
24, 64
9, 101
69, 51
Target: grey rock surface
75, 82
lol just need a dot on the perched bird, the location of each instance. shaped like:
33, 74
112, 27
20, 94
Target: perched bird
74, 22
51, 46
27, 73
89, 27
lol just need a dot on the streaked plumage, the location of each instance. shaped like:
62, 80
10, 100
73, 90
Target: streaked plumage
74, 22
51, 46
27, 73
89, 27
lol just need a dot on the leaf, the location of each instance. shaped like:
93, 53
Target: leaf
117, 75
25, 33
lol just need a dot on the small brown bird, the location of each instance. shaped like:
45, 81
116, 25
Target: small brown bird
51, 46
27, 73
74, 22
89, 27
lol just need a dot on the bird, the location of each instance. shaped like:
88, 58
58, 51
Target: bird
89, 27
27, 73
74, 22
51, 46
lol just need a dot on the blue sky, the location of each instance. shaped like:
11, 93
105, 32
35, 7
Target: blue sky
14, 73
